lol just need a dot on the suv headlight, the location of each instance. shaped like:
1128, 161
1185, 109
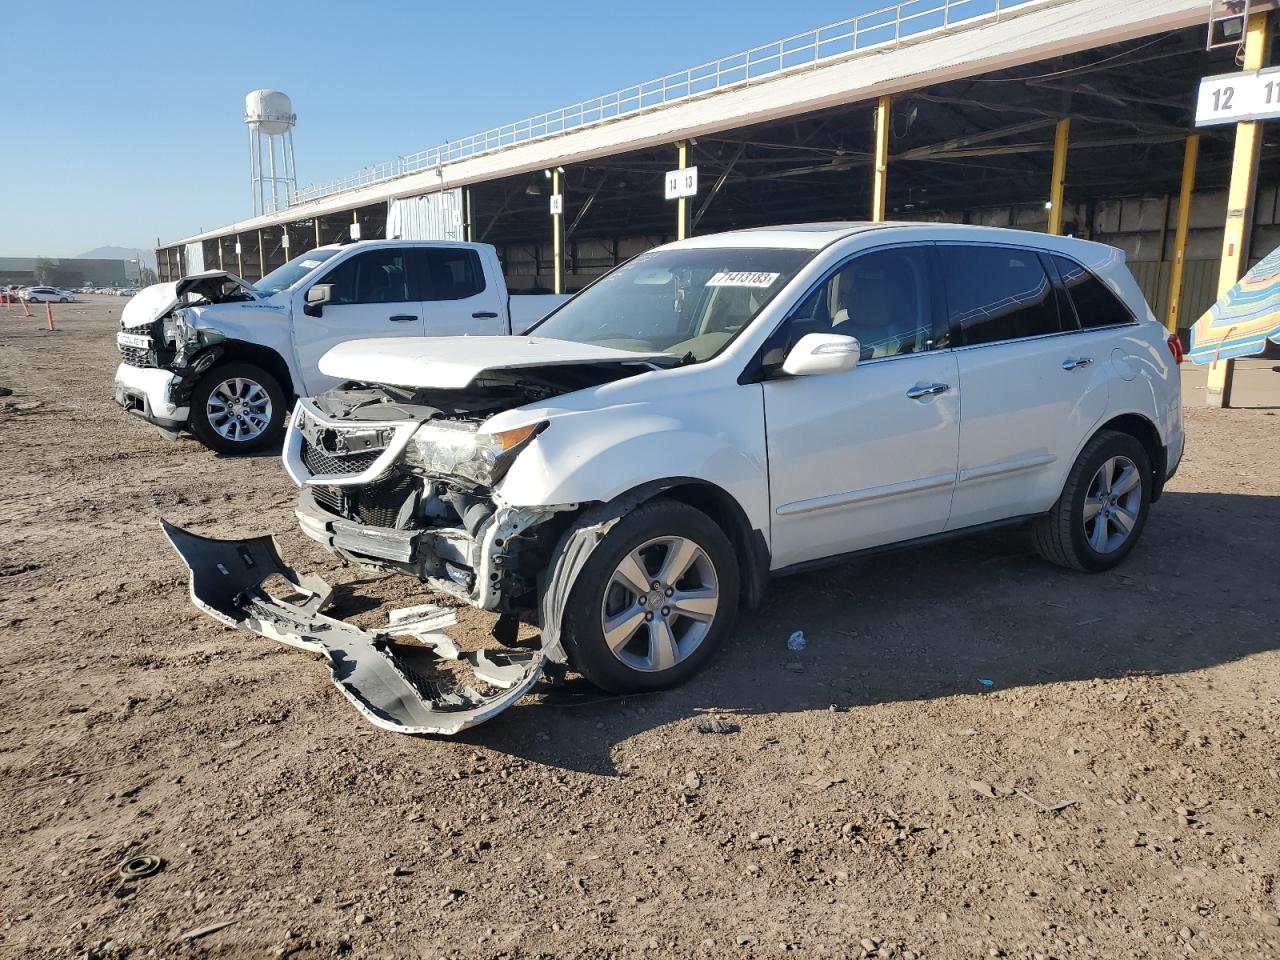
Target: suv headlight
443, 448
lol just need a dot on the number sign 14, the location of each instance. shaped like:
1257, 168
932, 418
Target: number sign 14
681, 183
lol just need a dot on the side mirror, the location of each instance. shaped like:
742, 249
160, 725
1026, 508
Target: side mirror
822, 353
318, 294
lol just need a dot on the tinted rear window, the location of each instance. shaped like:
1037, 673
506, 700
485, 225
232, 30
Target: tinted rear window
997, 293
446, 273
1095, 304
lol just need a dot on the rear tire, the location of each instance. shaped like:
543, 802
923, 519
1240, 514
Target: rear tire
237, 408
661, 636
1103, 509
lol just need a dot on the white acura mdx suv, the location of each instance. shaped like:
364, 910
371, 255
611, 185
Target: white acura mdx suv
731, 407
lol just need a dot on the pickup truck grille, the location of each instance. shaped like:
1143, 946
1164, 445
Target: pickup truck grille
138, 356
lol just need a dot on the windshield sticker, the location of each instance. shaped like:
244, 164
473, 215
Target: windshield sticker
311, 264
742, 278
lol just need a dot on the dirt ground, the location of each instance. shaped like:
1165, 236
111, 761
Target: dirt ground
878, 797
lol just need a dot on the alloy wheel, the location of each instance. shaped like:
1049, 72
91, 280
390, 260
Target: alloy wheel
239, 409
659, 604
1112, 504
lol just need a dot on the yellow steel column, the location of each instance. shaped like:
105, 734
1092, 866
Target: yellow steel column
262, 256
1189, 159
470, 234
1240, 198
1057, 188
682, 203
221, 266
316, 220
880, 181
557, 234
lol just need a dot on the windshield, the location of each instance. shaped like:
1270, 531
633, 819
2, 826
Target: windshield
688, 303
281, 278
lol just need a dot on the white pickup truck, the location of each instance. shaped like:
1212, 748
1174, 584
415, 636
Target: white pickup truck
225, 358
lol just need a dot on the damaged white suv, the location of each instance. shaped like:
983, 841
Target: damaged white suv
711, 413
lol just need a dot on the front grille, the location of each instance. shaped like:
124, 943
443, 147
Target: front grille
331, 498
379, 503
137, 357
320, 462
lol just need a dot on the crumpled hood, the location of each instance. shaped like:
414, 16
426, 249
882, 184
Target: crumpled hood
153, 302
452, 363
150, 303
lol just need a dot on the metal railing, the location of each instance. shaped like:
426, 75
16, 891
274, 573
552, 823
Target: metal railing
874, 30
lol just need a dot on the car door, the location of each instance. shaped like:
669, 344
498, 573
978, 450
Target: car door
1032, 388
371, 296
457, 297
868, 456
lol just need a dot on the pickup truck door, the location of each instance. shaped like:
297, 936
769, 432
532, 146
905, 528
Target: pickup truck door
459, 296
370, 297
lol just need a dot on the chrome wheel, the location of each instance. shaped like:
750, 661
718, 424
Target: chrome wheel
1112, 504
239, 409
659, 604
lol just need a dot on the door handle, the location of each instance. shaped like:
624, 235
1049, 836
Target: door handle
932, 390
484, 315
403, 318
1075, 362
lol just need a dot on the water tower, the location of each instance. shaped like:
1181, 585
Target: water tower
270, 116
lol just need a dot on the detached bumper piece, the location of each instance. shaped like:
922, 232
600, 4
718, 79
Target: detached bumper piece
415, 688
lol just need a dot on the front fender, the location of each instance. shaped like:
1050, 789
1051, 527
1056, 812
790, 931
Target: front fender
600, 456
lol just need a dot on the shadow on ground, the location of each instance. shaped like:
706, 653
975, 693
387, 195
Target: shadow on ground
933, 622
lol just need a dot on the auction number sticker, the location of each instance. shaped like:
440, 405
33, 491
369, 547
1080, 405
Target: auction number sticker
742, 278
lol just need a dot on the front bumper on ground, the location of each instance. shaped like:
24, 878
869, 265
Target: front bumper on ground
418, 688
144, 392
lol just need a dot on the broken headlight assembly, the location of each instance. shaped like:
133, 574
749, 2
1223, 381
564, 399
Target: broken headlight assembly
445, 448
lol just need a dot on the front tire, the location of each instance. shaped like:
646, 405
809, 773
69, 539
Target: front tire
237, 408
1103, 509
653, 601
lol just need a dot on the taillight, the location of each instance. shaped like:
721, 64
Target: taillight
1175, 347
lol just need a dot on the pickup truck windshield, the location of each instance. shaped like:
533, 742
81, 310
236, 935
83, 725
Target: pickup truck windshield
281, 278
682, 302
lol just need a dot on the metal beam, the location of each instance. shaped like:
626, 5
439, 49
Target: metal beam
880, 177
1240, 199
682, 203
969, 140
585, 207
1189, 159
1057, 183
715, 189
557, 235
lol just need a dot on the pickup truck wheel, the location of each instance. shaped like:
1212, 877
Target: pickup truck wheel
1103, 507
237, 408
654, 599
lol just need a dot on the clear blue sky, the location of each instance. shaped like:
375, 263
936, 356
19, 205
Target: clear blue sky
123, 120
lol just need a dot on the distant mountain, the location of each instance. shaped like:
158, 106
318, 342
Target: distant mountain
119, 253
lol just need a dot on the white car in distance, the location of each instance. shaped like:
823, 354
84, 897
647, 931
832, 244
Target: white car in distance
733, 407
47, 295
